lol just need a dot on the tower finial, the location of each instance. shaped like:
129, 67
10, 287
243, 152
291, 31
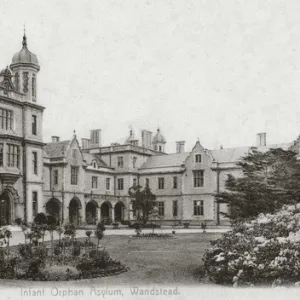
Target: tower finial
24, 43
74, 133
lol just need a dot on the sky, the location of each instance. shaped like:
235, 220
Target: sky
214, 70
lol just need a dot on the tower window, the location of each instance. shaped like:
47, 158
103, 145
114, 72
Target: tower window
134, 159
33, 86
17, 81
160, 148
34, 125
55, 177
25, 82
34, 162
94, 182
6, 119
13, 155
34, 203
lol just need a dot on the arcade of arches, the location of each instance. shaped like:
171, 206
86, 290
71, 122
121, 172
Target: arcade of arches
107, 212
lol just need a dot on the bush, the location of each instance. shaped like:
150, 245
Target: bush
24, 250
59, 273
264, 250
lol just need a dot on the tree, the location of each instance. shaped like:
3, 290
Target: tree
41, 224
51, 227
270, 179
143, 202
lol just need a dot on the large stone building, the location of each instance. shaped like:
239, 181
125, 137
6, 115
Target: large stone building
89, 182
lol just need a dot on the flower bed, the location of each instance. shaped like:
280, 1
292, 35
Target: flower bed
65, 259
153, 236
263, 251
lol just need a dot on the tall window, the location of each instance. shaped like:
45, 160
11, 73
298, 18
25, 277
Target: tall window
161, 183
13, 155
33, 86
175, 208
161, 208
107, 184
34, 203
1, 155
6, 119
134, 159
198, 178
34, 163
134, 181
120, 162
55, 177
175, 183
199, 208
94, 182
74, 175
17, 81
120, 184
198, 158
34, 125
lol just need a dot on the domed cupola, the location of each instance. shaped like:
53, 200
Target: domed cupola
25, 67
24, 56
159, 141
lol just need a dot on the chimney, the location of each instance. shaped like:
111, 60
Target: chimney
55, 139
85, 143
146, 139
261, 139
180, 147
95, 140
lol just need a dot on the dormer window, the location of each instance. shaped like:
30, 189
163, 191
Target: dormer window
160, 148
94, 165
198, 158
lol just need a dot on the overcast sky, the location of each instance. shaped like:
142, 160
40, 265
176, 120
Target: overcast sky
220, 71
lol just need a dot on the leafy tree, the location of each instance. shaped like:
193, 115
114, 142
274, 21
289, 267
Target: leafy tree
270, 179
99, 235
41, 224
143, 202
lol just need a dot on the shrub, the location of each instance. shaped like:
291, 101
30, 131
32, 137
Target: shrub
263, 250
24, 250
59, 273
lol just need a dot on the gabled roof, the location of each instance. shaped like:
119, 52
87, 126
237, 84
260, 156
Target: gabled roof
235, 154
168, 160
57, 149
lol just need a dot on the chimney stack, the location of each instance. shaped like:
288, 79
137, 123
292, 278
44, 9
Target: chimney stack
146, 139
85, 143
180, 146
261, 139
95, 140
55, 139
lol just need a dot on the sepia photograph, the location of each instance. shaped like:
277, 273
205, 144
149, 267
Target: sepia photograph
150, 149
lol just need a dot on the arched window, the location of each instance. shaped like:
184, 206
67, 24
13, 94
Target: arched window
94, 165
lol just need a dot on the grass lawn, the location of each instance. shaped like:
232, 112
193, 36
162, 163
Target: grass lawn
152, 261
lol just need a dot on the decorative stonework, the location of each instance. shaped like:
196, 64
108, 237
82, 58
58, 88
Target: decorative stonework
13, 193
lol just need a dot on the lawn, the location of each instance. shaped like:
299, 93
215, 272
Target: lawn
153, 261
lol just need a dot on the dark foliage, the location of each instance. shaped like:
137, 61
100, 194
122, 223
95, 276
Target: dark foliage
270, 180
